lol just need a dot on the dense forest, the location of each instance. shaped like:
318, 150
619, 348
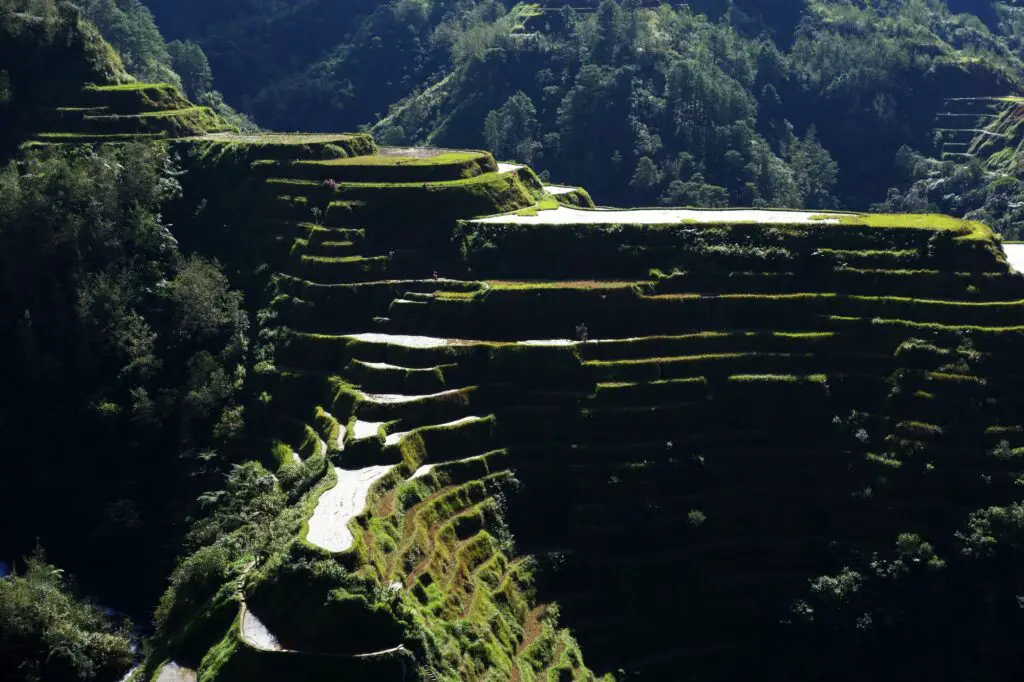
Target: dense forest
798, 103
121, 354
125, 353
792, 103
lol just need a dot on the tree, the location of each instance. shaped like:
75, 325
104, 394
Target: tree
814, 171
189, 61
611, 23
204, 302
646, 177
113, 334
695, 192
129, 27
510, 130
47, 633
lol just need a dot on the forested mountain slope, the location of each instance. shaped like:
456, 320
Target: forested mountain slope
128, 26
793, 103
121, 354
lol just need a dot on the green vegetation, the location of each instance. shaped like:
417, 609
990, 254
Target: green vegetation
153, 374
42, 59
451, 166
966, 229
350, 432
781, 104
128, 26
48, 633
146, 110
958, 186
254, 149
707, 103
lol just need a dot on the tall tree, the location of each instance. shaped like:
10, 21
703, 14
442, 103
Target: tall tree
814, 171
510, 131
189, 61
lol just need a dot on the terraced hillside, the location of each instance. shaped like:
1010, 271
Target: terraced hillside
983, 127
524, 438
484, 430
680, 416
404, 562
132, 111
767, 404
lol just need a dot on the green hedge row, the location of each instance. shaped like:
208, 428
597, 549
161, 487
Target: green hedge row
249, 149
432, 409
445, 443
289, 210
578, 198
729, 364
453, 472
185, 122
711, 342
331, 270
316, 235
528, 366
652, 392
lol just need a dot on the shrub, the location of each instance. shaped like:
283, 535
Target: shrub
47, 633
192, 584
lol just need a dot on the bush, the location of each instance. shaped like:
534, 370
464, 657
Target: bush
47, 633
192, 584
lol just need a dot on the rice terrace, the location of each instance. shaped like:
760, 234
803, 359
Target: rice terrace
444, 419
